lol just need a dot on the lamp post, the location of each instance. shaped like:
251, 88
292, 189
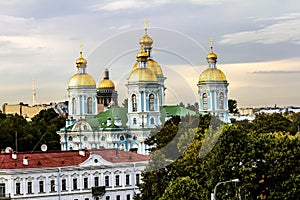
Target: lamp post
213, 195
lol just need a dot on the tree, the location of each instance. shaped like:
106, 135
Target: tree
266, 163
232, 106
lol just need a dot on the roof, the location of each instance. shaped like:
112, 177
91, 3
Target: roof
112, 113
53, 159
47, 159
119, 156
177, 110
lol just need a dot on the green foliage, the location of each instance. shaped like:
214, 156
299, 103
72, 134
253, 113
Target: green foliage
263, 155
41, 130
232, 106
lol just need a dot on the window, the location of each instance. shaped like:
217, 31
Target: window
107, 181
134, 121
63, 185
70, 138
85, 183
75, 184
41, 186
73, 106
117, 180
85, 138
134, 106
221, 100
2, 189
29, 187
89, 105
152, 120
86, 199
204, 99
128, 197
137, 179
18, 188
118, 197
107, 198
52, 186
96, 180
151, 102
127, 179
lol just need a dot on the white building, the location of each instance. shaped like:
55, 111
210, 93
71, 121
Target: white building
71, 175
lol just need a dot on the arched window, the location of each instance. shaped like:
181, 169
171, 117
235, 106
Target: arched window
204, 99
70, 138
152, 120
134, 121
221, 100
134, 105
151, 102
85, 138
89, 105
73, 106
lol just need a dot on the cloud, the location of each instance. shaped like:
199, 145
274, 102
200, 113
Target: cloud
286, 29
276, 72
142, 4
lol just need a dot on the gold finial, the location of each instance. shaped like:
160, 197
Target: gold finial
211, 44
146, 22
81, 49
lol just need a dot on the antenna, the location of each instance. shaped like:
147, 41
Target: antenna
44, 147
33, 93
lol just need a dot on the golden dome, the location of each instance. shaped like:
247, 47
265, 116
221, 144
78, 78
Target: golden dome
142, 75
81, 79
141, 55
152, 65
106, 83
81, 61
211, 57
212, 74
146, 41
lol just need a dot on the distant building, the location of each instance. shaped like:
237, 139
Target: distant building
70, 175
24, 109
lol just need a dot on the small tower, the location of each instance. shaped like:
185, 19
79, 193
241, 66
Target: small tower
213, 89
33, 92
107, 96
82, 92
143, 96
146, 45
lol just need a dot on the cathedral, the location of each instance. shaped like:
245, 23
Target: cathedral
95, 120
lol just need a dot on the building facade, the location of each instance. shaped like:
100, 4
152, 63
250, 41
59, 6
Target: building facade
108, 174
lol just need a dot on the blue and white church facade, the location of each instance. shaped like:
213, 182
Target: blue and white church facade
213, 89
128, 128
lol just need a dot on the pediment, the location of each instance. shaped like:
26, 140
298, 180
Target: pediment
96, 160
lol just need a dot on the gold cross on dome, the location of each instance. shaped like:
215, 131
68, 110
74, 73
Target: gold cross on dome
146, 22
211, 43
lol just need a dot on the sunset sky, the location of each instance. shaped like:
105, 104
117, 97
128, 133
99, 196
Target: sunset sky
257, 43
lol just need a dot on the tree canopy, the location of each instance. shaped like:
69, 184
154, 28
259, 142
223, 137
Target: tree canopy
16, 130
263, 155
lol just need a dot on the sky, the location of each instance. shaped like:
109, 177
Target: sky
257, 43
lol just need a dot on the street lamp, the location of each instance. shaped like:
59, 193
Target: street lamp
213, 195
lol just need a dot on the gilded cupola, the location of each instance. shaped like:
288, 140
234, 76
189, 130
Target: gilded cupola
106, 82
81, 78
212, 73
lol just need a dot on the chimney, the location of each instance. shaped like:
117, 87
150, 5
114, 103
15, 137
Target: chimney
108, 122
25, 160
118, 121
14, 155
81, 152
